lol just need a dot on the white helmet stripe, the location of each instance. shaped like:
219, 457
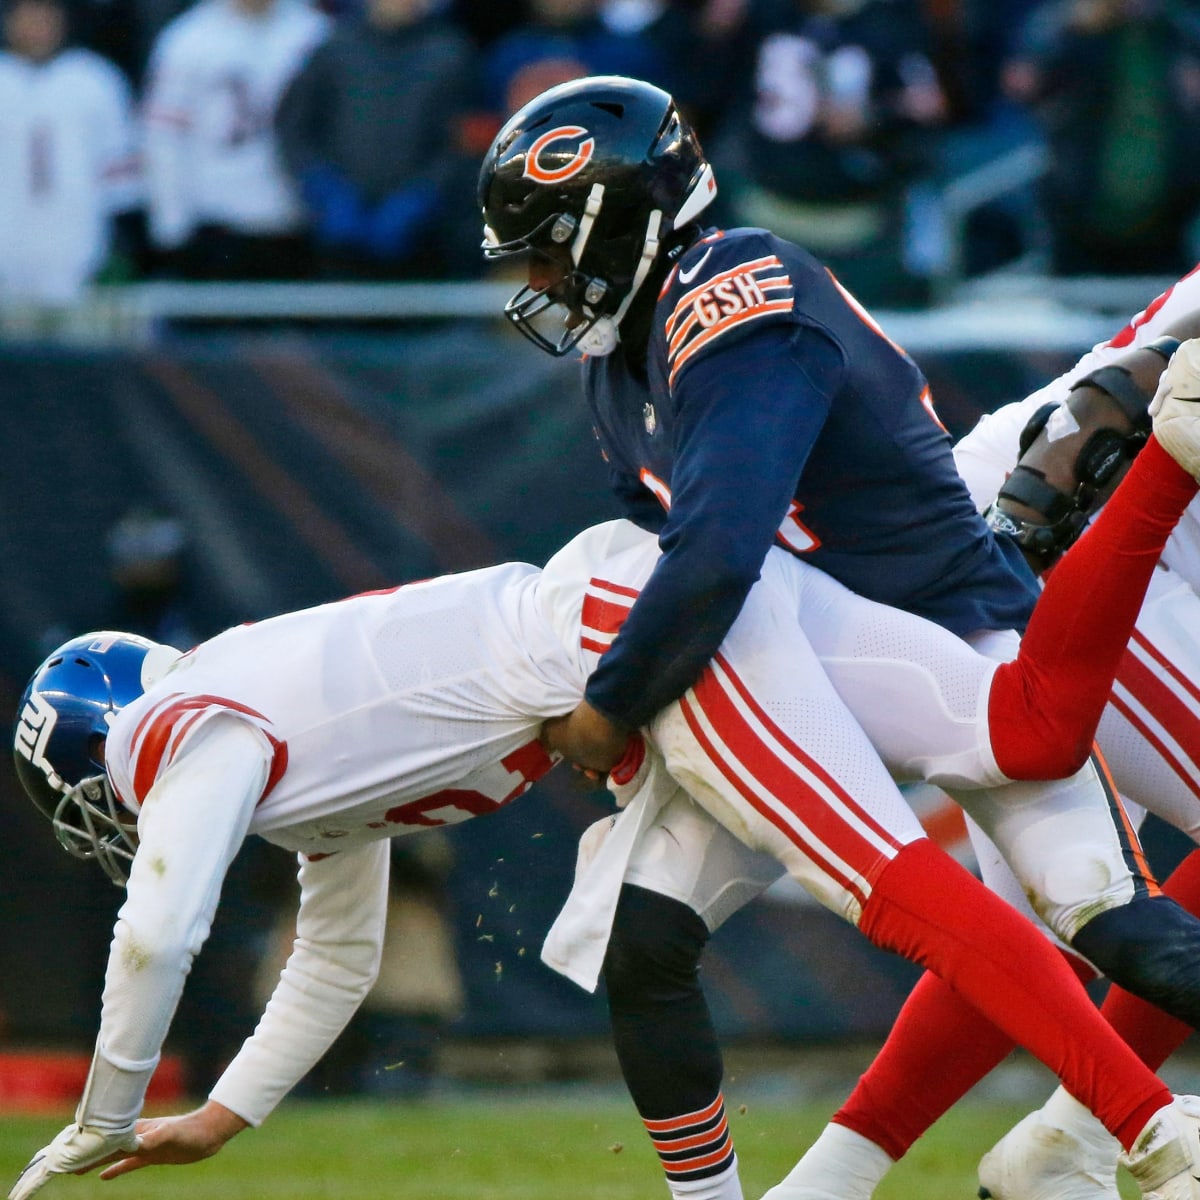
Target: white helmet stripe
649, 254
698, 199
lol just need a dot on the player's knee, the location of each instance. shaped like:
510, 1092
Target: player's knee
1035, 738
654, 949
1052, 752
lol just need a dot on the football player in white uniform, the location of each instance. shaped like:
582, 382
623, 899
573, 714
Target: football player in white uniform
330, 730
1089, 420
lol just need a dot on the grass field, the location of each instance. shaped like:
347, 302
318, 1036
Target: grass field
556, 1146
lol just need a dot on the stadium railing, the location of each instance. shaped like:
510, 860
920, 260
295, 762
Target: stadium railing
1004, 310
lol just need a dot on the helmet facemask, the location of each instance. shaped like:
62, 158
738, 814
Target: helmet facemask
577, 309
91, 823
599, 176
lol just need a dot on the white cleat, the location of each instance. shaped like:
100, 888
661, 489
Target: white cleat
1175, 408
1037, 1160
839, 1165
1165, 1159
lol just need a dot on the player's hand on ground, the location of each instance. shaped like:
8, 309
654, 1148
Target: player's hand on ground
586, 738
187, 1138
75, 1150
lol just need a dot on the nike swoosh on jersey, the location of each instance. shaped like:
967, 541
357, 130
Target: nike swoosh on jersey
688, 276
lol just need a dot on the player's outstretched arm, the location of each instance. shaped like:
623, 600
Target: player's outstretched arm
186, 1138
1074, 455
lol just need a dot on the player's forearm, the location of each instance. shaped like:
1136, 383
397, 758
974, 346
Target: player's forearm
1073, 461
672, 632
192, 824
334, 961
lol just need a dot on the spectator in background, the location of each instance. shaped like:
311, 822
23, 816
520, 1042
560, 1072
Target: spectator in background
563, 40
369, 131
840, 119
68, 167
1115, 86
694, 47
486, 20
221, 205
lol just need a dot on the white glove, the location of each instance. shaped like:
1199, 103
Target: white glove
1175, 409
1181, 376
75, 1148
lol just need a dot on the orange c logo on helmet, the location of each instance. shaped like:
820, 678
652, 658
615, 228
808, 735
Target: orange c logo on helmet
534, 169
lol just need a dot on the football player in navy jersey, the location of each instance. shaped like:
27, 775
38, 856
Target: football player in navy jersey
743, 399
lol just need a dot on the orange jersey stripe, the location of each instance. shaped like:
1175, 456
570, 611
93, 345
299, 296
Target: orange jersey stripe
723, 326
1125, 828
745, 268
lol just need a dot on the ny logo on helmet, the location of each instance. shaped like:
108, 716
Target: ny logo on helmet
34, 727
546, 174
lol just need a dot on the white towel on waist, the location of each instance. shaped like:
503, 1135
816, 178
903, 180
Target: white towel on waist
578, 939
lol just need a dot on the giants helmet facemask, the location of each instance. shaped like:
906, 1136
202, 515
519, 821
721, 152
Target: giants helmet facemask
62, 721
602, 173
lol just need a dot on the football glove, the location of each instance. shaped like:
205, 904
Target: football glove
74, 1149
1176, 407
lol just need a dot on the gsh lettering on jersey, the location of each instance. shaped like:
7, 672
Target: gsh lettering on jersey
745, 292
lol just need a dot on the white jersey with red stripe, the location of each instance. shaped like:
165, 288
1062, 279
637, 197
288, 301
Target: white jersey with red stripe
326, 731
332, 729
386, 713
1150, 731
791, 739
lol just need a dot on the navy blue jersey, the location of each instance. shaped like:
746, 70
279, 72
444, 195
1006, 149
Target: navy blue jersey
777, 412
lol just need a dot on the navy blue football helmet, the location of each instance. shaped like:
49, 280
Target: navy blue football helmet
602, 176
62, 721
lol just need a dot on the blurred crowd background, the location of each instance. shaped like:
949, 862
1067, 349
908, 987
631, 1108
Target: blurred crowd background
340, 139
177, 485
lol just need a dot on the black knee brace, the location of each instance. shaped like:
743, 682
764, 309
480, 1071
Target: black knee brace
1150, 947
662, 1028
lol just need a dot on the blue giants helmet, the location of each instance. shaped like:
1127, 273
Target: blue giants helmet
62, 721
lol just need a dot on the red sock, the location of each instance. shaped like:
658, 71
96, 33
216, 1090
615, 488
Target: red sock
1153, 1035
938, 1049
1045, 705
931, 910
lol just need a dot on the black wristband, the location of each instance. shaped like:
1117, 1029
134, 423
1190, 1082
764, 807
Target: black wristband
1164, 345
1118, 383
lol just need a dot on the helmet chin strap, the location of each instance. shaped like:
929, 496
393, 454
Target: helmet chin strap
591, 210
603, 335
